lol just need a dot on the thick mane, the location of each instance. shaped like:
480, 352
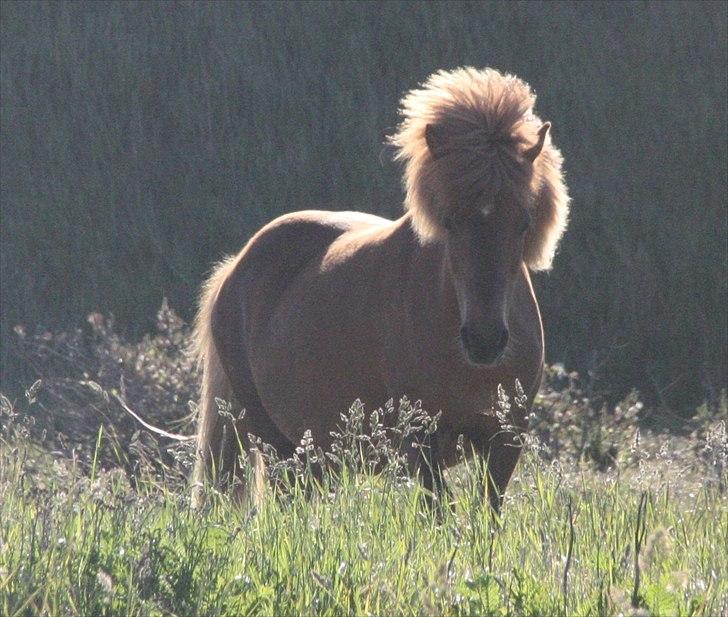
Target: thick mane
481, 123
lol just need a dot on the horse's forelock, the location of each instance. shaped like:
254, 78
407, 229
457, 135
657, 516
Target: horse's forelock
482, 120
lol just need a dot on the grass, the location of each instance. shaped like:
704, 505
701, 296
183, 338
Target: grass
645, 538
604, 516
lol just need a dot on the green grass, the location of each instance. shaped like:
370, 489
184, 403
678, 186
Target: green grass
646, 538
602, 518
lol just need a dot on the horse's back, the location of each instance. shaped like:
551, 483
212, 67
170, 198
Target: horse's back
309, 230
277, 254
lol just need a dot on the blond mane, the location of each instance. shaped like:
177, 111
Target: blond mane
484, 122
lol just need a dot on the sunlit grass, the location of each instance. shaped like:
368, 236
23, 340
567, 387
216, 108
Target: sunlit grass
570, 541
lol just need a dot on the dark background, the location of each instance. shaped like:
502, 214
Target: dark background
143, 141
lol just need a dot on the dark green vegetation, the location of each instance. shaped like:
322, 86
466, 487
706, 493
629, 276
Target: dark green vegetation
600, 520
142, 141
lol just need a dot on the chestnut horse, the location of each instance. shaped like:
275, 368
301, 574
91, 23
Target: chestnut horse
322, 308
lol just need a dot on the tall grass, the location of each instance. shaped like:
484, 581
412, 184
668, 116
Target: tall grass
640, 540
141, 141
602, 518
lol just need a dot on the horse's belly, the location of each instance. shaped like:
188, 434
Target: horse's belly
309, 391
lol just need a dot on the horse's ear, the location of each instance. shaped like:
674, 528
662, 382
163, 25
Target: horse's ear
535, 150
436, 138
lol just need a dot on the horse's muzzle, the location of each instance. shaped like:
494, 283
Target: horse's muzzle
483, 348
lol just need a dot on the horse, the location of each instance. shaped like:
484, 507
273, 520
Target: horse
321, 308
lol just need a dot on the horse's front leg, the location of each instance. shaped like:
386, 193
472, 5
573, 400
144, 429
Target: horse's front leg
499, 455
428, 468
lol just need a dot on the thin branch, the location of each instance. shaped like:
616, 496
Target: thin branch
150, 427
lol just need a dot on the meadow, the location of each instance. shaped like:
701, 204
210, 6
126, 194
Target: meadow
602, 518
142, 141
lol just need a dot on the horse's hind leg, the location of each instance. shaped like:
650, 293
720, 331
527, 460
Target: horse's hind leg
256, 423
228, 326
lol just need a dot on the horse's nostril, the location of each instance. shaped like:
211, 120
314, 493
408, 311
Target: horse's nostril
464, 336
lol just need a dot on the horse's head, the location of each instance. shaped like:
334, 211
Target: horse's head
485, 236
483, 177
485, 250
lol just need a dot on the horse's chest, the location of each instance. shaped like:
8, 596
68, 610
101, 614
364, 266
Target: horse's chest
468, 396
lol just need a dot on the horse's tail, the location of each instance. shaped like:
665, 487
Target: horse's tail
214, 383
